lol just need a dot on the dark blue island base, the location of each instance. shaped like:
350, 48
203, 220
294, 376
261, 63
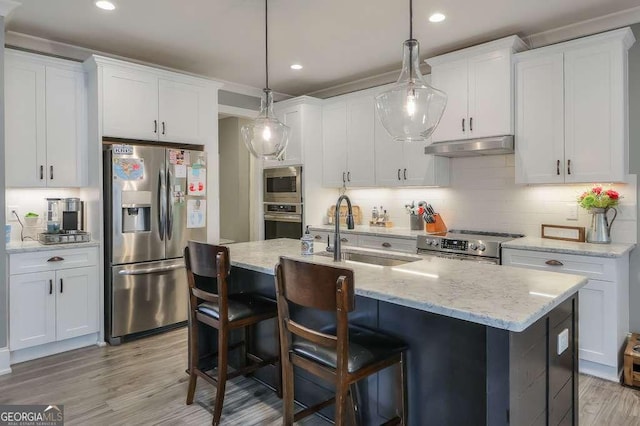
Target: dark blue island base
459, 372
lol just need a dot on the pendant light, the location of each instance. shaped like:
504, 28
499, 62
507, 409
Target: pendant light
411, 109
265, 136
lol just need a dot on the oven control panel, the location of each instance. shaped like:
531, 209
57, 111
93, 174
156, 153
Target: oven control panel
458, 245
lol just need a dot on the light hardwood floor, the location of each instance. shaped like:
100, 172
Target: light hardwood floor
144, 382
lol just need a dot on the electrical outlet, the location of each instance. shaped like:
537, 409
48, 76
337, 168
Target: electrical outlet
572, 211
563, 341
10, 216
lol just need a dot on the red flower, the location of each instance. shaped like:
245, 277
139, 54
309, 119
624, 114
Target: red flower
613, 194
597, 190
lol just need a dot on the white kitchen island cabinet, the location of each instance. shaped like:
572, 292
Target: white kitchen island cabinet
478, 82
604, 301
53, 301
150, 104
571, 111
46, 122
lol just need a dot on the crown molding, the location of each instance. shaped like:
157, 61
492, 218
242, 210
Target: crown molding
580, 29
514, 43
8, 6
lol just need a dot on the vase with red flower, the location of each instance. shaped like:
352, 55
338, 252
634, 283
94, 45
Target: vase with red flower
599, 202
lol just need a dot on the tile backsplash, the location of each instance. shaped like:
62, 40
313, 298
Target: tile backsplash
32, 200
483, 196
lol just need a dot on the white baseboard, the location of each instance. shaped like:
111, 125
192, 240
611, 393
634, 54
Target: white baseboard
599, 370
53, 348
5, 361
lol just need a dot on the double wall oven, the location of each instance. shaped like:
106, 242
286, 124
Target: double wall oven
282, 202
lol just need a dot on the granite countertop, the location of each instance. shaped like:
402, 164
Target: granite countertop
31, 246
498, 296
394, 232
569, 247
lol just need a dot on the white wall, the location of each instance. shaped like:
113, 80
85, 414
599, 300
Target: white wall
483, 196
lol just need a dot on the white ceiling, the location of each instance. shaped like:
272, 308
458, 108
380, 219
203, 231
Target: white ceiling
337, 41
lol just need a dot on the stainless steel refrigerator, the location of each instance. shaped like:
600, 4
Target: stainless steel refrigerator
155, 201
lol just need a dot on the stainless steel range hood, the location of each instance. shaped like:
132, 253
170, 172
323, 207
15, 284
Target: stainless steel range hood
472, 147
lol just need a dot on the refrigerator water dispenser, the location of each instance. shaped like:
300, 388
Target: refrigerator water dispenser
136, 211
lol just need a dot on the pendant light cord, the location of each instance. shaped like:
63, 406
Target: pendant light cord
266, 43
410, 19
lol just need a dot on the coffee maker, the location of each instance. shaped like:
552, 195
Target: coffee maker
72, 213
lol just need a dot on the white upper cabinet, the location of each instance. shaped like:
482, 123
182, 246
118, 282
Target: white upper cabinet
348, 141
149, 104
46, 122
478, 82
292, 117
571, 106
130, 106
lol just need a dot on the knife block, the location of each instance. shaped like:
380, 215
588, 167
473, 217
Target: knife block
438, 226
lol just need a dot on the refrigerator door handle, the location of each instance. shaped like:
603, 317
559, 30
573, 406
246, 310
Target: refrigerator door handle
162, 203
169, 204
149, 270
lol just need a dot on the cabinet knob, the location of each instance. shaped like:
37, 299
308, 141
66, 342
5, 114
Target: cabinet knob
55, 259
385, 244
552, 262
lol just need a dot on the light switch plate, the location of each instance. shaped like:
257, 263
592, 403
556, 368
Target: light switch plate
563, 341
572, 211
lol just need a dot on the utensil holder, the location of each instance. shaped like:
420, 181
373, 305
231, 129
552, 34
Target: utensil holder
415, 222
437, 226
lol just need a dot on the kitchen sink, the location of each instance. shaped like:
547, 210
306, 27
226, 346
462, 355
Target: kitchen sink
381, 259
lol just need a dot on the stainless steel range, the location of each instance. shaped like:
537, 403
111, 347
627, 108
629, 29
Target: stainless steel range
478, 246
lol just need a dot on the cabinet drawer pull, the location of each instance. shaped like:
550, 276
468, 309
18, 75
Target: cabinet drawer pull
405, 174
50, 286
344, 240
41, 172
398, 174
61, 286
51, 172
318, 237
558, 167
348, 176
553, 262
164, 128
55, 259
463, 125
344, 177
471, 124
568, 167
155, 126
385, 244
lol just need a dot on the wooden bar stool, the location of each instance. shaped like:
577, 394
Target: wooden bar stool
224, 312
341, 355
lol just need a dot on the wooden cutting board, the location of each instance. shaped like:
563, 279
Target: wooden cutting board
357, 214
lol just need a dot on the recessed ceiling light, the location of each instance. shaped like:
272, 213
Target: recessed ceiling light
437, 17
296, 67
105, 5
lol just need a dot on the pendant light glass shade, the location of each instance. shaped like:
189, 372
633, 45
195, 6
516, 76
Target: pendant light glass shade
411, 109
266, 137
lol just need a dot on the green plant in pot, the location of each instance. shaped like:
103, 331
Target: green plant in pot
598, 202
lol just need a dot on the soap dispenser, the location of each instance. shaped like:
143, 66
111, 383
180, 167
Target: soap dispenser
306, 243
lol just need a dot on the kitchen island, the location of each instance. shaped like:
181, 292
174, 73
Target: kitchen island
483, 339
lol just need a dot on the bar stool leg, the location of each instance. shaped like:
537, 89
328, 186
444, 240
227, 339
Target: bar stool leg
222, 374
193, 377
287, 394
278, 365
403, 387
342, 395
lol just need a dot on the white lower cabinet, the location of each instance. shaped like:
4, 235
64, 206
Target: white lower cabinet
603, 304
58, 302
